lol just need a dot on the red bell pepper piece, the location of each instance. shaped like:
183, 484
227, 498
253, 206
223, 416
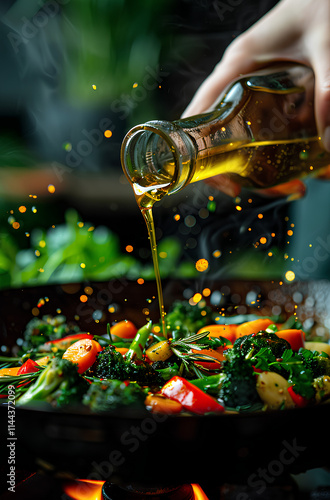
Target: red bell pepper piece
299, 401
65, 342
29, 366
191, 397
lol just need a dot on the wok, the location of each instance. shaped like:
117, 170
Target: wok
137, 447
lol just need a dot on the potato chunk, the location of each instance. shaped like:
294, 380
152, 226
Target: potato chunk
272, 390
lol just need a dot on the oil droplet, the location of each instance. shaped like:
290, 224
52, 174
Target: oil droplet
107, 134
211, 206
82, 265
42, 243
263, 240
177, 217
135, 85
290, 275
202, 265
94, 87
22, 209
129, 248
206, 292
140, 281
197, 297
216, 254
88, 290
238, 207
16, 225
260, 216
51, 188
67, 146
35, 311
83, 298
290, 232
163, 255
34, 209
303, 155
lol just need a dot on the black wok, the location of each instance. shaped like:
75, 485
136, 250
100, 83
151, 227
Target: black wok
149, 449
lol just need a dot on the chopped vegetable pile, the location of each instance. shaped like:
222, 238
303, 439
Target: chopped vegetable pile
201, 367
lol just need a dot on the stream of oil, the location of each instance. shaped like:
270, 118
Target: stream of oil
146, 198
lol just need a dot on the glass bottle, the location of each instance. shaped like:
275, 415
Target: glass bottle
261, 132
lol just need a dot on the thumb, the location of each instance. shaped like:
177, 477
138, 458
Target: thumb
322, 101
319, 44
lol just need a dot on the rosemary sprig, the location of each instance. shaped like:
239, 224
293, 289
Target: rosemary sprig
183, 349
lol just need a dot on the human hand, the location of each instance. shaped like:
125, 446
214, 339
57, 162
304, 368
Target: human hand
294, 30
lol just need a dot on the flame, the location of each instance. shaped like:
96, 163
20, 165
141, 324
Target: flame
198, 492
84, 489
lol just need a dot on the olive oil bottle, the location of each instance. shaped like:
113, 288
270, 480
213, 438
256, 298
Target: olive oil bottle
260, 133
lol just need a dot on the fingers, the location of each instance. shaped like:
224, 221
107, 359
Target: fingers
319, 43
292, 190
224, 184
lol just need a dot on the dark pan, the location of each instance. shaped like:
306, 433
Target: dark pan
149, 449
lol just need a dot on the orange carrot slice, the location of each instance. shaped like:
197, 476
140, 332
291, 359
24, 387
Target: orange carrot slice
83, 353
253, 327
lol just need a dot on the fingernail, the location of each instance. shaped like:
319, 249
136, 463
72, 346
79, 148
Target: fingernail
326, 138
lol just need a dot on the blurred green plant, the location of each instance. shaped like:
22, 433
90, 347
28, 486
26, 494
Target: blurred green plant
110, 45
77, 251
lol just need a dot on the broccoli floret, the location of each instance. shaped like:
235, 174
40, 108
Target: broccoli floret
251, 344
239, 387
317, 363
41, 330
111, 394
184, 319
59, 384
167, 369
110, 364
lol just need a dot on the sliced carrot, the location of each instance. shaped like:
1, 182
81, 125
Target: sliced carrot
294, 337
83, 353
124, 329
160, 404
255, 326
9, 371
216, 354
226, 331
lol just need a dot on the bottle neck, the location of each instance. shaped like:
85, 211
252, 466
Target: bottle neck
158, 158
